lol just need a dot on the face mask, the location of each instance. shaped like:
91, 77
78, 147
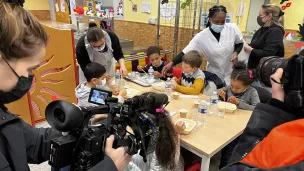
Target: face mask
103, 83
100, 48
22, 87
260, 21
217, 28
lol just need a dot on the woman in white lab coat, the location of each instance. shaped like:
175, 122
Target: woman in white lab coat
220, 43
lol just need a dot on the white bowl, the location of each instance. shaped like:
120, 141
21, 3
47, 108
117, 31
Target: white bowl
227, 107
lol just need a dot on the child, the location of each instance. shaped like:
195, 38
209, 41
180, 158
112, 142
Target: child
153, 53
240, 92
192, 81
167, 151
96, 76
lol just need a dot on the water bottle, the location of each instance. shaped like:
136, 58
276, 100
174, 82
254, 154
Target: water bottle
151, 73
168, 87
213, 109
117, 78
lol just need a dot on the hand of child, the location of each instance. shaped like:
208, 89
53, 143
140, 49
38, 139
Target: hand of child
116, 92
108, 77
179, 127
174, 78
157, 74
234, 100
222, 94
123, 93
174, 84
139, 68
98, 118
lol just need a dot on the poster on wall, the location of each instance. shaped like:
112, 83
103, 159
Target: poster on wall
62, 5
118, 6
205, 19
146, 7
167, 11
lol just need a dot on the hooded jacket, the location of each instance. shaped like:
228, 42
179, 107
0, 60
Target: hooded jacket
267, 41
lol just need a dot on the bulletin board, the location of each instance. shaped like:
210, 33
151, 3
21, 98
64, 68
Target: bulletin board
62, 11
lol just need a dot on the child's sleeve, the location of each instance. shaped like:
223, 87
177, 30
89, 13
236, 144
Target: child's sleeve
195, 89
254, 100
179, 81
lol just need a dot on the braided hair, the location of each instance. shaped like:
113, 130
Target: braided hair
215, 9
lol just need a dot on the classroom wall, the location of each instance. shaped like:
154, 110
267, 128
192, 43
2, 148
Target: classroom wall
294, 15
39, 8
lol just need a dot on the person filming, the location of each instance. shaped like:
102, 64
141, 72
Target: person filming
22, 49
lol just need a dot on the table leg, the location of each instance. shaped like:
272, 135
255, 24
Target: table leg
205, 163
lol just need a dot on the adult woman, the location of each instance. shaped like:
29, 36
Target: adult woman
100, 46
268, 40
220, 42
22, 48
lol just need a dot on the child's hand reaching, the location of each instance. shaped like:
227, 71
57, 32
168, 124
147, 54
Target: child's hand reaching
174, 78
179, 127
123, 93
116, 92
222, 94
174, 84
234, 100
139, 68
157, 74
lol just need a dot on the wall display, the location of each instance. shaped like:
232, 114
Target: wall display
167, 11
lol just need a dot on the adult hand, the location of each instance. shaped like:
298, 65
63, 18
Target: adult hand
123, 71
167, 68
222, 94
234, 57
157, 74
119, 156
277, 90
139, 68
247, 48
98, 118
234, 100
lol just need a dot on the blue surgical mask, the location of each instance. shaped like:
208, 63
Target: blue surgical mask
100, 48
217, 28
103, 83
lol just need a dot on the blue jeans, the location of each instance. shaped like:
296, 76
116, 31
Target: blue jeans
258, 84
62, 169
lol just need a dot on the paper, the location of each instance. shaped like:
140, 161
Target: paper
167, 11
72, 4
146, 7
189, 96
57, 7
62, 6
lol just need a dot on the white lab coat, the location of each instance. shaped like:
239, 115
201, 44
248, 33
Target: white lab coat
218, 53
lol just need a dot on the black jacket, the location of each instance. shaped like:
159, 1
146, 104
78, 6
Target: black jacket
267, 41
82, 55
21, 144
264, 118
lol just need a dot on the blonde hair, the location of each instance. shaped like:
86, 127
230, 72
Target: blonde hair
20, 32
277, 14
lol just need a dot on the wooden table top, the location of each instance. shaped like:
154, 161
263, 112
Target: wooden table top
211, 137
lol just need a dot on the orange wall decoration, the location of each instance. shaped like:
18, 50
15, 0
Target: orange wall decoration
56, 76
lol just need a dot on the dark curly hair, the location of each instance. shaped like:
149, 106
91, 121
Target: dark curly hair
240, 72
215, 9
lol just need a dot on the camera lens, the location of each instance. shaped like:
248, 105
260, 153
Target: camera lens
59, 115
269, 66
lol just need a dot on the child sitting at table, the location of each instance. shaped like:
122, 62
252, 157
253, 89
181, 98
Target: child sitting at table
167, 151
240, 92
153, 53
96, 76
192, 80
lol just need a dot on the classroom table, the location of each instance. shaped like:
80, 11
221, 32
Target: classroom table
208, 139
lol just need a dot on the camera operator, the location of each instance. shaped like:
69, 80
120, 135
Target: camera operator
273, 138
22, 48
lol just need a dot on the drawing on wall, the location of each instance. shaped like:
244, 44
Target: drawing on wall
134, 8
167, 11
120, 8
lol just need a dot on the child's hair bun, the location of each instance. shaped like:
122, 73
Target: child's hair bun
241, 65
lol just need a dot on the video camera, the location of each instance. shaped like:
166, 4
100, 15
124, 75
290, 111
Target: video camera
292, 80
83, 144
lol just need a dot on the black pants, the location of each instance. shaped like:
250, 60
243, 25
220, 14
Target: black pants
227, 152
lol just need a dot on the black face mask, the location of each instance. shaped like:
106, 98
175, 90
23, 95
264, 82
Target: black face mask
22, 87
260, 21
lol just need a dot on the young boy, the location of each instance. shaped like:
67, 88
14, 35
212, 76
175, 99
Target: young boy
153, 53
96, 76
192, 81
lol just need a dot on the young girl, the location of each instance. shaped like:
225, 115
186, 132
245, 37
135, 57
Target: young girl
240, 92
167, 152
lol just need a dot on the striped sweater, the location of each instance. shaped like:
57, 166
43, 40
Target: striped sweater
191, 84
